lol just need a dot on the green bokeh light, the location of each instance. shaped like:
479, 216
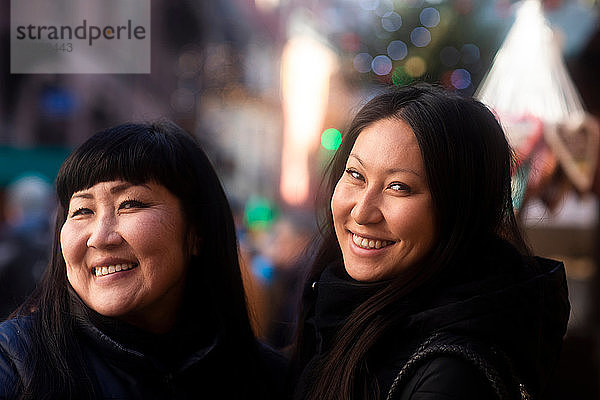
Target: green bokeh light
259, 213
400, 77
331, 139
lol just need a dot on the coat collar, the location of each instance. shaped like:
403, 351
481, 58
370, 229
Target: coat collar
188, 343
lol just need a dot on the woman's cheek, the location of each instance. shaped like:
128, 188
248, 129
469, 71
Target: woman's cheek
72, 243
340, 200
65, 240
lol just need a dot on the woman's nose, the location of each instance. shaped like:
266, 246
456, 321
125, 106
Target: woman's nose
104, 233
367, 210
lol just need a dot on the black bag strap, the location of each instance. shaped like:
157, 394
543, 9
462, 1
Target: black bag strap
433, 347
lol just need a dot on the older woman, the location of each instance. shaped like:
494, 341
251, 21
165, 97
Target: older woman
422, 287
143, 296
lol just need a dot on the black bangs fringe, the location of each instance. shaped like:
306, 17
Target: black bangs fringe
136, 153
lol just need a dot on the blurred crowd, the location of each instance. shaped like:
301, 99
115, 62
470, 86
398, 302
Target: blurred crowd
25, 237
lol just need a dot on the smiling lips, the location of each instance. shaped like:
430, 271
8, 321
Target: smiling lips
111, 269
369, 244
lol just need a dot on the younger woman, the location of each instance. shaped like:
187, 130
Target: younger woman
422, 287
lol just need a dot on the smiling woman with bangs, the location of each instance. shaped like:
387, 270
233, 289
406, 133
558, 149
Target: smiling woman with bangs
143, 297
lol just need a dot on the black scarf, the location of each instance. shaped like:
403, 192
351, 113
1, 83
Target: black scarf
169, 351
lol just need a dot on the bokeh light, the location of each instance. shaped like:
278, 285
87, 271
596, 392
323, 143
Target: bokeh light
397, 50
381, 65
420, 37
306, 69
470, 53
58, 102
445, 80
449, 56
259, 213
400, 77
460, 78
362, 62
430, 17
391, 21
262, 268
331, 139
415, 66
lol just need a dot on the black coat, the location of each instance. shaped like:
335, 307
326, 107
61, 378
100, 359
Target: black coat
491, 323
145, 366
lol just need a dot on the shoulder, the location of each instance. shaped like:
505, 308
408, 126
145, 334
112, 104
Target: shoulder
271, 357
15, 336
275, 368
274, 363
14, 345
446, 366
446, 377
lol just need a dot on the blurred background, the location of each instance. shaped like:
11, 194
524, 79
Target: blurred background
268, 86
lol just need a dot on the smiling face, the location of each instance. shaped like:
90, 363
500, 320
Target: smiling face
125, 250
382, 208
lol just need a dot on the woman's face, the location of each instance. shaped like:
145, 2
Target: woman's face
125, 250
382, 208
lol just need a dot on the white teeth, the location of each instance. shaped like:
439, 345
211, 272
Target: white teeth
369, 243
111, 269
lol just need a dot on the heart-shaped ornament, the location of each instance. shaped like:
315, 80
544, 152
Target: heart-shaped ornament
575, 144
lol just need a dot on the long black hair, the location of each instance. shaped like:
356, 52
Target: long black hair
157, 152
468, 164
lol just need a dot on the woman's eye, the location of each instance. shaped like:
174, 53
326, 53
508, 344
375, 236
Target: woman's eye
128, 204
81, 211
354, 174
399, 187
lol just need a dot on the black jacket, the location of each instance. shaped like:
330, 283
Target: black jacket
144, 366
496, 319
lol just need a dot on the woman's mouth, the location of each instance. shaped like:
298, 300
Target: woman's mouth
369, 244
111, 269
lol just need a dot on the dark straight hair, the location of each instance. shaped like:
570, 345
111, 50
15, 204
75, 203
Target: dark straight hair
468, 164
165, 154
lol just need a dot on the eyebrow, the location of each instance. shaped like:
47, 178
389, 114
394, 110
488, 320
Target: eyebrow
114, 190
389, 170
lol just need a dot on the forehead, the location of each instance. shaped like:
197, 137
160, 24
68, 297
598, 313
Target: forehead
388, 143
